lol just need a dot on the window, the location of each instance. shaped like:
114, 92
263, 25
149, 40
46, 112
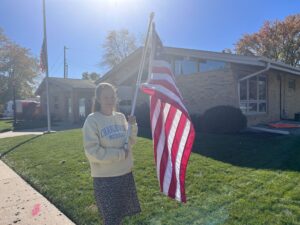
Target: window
292, 84
253, 95
55, 99
69, 106
185, 67
211, 65
253, 88
243, 90
82, 107
193, 65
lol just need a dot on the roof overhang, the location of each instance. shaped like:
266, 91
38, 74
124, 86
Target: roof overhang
208, 55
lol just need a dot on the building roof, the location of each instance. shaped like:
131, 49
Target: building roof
74, 83
234, 58
67, 83
133, 56
209, 55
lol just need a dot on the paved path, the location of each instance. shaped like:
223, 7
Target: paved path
20, 204
14, 134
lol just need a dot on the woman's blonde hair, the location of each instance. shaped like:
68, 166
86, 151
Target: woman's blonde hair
100, 87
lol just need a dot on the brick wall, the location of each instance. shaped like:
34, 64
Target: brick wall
205, 90
291, 100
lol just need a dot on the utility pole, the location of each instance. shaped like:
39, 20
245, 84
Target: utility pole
13, 82
65, 63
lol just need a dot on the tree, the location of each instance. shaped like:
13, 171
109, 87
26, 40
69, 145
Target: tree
117, 46
17, 67
279, 40
90, 76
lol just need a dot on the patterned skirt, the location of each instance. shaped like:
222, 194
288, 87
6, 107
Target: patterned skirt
116, 198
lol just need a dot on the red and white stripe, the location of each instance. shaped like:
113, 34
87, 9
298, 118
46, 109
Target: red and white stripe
172, 131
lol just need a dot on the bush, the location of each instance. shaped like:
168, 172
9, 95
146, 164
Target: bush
30, 124
223, 119
197, 122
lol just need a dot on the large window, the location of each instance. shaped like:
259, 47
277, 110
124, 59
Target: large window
185, 67
56, 105
69, 106
82, 107
211, 65
193, 65
253, 95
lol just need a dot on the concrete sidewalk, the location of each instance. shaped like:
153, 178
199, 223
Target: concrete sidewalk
22, 205
18, 133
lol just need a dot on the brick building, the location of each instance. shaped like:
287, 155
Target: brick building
263, 89
69, 99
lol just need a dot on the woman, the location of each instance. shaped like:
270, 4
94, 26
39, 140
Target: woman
104, 135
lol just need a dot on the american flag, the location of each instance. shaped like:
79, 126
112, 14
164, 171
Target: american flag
43, 57
172, 131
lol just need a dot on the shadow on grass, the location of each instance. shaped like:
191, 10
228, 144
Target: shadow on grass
18, 145
253, 150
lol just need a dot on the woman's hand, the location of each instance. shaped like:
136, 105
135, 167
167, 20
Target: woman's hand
126, 150
131, 120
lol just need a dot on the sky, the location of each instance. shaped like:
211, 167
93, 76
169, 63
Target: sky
82, 25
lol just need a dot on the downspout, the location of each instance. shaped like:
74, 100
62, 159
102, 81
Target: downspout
256, 73
280, 96
252, 75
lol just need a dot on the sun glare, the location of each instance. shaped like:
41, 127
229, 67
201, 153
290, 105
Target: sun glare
121, 3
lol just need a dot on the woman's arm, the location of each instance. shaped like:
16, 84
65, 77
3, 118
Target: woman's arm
93, 150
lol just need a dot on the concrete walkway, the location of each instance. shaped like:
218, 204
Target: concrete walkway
17, 133
22, 205
62, 126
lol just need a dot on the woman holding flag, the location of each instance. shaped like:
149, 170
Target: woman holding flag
105, 138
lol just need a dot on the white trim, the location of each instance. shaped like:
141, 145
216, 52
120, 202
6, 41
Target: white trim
270, 130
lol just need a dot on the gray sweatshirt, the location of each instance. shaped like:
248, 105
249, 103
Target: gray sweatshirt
104, 139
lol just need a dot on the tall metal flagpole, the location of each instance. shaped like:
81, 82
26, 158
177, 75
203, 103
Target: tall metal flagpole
47, 71
138, 81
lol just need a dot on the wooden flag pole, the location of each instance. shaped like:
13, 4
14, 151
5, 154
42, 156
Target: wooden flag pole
138, 81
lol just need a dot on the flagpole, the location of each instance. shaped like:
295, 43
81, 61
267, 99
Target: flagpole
139, 77
152, 51
47, 71
138, 81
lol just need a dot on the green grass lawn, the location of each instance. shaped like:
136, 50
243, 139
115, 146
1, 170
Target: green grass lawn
241, 179
5, 125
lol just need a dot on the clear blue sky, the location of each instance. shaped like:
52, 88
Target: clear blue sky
82, 25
